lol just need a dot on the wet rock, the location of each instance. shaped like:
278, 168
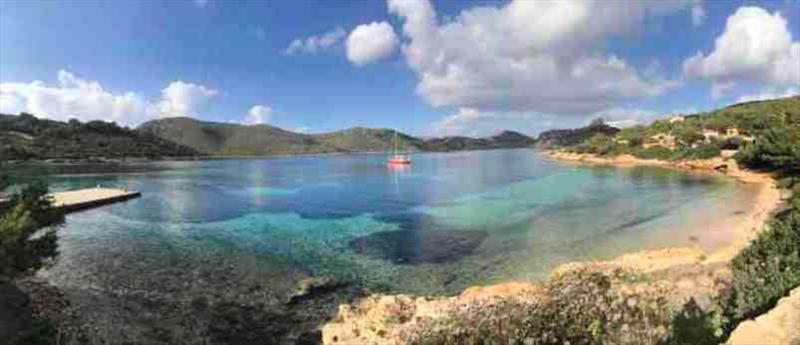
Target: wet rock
311, 287
15, 312
310, 338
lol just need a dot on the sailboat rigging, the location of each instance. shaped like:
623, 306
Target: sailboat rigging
397, 158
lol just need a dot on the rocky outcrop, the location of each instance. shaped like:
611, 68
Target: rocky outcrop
15, 312
588, 302
781, 325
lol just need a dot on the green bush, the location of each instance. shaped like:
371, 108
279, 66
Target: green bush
767, 269
700, 152
777, 149
23, 247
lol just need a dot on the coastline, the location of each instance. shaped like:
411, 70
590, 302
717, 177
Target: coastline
766, 202
677, 274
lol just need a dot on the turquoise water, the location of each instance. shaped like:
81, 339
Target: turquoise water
447, 222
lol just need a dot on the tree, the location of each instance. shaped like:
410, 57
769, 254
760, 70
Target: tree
24, 246
688, 135
777, 149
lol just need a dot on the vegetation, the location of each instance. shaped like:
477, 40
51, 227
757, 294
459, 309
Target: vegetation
776, 149
25, 137
569, 137
770, 267
23, 246
772, 126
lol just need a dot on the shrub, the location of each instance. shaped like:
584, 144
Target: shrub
22, 246
700, 152
777, 149
770, 267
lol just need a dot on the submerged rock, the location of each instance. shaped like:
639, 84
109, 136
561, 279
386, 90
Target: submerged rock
417, 247
311, 287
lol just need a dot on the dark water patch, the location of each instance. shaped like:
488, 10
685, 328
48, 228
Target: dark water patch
638, 221
418, 247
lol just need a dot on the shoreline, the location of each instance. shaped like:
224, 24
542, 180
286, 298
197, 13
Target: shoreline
675, 273
766, 202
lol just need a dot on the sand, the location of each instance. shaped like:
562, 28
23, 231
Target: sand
767, 200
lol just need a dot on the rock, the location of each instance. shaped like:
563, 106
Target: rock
15, 312
777, 326
418, 247
311, 287
309, 338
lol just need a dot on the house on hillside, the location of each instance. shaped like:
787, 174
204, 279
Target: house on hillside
660, 140
724, 134
676, 119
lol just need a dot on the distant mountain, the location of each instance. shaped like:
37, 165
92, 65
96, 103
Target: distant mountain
25, 137
568, 137
235, 139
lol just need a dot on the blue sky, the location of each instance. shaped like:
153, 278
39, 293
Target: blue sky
429, 68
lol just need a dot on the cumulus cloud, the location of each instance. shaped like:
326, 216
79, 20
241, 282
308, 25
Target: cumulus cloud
762, 96
368, 43
621, 118
475, 123
756, 46
316, 43
258, 115
73, 97
182, 99
539, 56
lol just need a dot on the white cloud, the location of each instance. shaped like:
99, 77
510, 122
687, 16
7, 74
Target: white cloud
770, 94
258, 115
302, 129
539, 56
182, 99
698, 13
621, 118
368, 43
756, 46
474, 123
74, 97
316, 43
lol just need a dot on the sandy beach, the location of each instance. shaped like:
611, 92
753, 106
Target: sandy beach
767, 200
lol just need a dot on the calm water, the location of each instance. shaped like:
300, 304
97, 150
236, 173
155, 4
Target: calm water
445, 223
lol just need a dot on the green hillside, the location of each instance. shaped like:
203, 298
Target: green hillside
26, 137
770, 127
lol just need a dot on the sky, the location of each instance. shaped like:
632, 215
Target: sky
426, 67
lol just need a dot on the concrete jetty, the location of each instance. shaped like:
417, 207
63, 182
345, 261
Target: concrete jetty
82, 199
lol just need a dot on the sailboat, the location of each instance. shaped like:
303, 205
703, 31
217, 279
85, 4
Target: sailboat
397, 158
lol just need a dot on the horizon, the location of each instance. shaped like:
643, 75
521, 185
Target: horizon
428, 69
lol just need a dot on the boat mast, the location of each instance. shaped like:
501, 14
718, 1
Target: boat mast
395, 142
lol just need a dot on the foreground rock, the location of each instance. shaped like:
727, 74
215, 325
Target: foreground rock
781, 325
15, 312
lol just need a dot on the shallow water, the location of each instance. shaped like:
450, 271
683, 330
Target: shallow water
447, 222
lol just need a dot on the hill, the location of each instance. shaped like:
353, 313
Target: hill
235, 139
27, 137
765, 133
568, 137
